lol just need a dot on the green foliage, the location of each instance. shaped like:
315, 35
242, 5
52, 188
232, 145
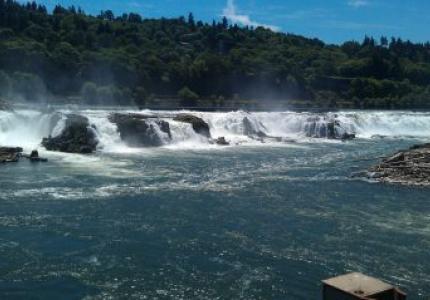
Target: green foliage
188, 97
110, 59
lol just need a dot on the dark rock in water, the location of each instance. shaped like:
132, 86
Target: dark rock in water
222, 141
10, 154
34, 154
326, 127
250, 130
38, 159
348, 136
199, 125
331, 129
139, 131
77, 137
408, 167
287, 140
34, 157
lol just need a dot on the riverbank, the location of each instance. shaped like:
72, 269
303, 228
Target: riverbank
407, 167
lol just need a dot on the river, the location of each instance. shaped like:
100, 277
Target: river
253, 220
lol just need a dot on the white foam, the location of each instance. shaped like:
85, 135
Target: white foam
26, 128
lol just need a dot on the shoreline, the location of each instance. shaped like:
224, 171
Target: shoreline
409, 167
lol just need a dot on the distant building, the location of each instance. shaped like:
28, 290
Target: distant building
356, 286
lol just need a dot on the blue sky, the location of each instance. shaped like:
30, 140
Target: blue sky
333, 21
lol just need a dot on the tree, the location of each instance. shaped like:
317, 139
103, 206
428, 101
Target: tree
59, 10
224, 22
107, 15
188, 97
384, 41
191, 20
129, 56
134, 18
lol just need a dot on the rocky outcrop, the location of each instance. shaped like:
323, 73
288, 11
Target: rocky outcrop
141, 131
34, 157
13, 154
347, 136
10, 154
325, 127
221, 141
408, 167
198, 124
77, 137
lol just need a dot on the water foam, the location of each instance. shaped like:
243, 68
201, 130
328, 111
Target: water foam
26, 128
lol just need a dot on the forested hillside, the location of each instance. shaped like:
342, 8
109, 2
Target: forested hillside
126, 59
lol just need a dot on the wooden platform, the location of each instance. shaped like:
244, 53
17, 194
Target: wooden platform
357, 286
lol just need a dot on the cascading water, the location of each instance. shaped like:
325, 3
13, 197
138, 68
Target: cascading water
26, 128
106, 132
183, 135
162, 136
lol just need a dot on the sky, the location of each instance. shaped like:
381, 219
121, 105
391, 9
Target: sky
333, 21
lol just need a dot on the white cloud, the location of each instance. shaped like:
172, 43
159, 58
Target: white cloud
230, 12
358, 3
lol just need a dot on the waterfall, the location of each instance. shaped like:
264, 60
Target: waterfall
27, 128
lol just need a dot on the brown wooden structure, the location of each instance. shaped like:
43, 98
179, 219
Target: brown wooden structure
356, 286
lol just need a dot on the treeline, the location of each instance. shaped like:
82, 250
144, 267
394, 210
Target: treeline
108, 59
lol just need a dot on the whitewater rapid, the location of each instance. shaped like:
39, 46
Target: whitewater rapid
27, 128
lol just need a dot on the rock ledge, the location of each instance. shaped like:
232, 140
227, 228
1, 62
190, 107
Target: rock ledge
408, 167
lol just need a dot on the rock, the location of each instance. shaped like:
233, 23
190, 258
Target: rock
34, 154
140, 131
222, 141
250, 131
77, 137
11, 150
288, 140
10, 154
331, 130
348, 136
395, 158
408, 167
199, 125
34, 157
326, 127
